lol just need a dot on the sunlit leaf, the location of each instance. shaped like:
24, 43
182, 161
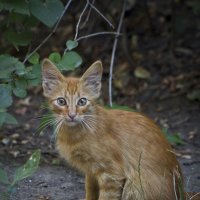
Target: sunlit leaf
28, 168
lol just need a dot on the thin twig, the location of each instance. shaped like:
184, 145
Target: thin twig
79, 20
93, 35
51, 33
98, 33
99, 12
113, 52
88, 15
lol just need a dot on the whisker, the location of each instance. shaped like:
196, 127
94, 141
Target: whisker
87, 126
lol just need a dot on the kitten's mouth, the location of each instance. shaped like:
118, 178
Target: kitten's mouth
71, 122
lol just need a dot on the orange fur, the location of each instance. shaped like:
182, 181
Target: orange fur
123, 154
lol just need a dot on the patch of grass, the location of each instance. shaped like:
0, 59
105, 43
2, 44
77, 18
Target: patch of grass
173, 138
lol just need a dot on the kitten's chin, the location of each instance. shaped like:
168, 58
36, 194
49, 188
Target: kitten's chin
71, 123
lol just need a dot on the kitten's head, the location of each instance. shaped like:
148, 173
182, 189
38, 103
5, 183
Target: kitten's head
71, 99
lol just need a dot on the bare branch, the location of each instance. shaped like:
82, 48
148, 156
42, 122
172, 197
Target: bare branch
88, 15
96, 34
50, 34
99, 12
113, 52
79, 20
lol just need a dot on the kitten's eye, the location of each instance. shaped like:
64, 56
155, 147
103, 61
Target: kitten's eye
61, 101
82, 101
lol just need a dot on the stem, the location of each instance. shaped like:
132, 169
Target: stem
79, 20
96, 34
98, 11
50, 34
113, 52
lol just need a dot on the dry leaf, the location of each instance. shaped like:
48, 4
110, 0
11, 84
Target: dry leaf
142, 73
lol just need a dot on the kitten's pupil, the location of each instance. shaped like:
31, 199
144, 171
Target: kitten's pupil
82, 101
61, 101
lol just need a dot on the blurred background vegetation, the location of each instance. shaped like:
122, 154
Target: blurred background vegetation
156, 59
34, 29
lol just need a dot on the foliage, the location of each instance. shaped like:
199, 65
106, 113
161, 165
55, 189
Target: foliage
120, 107
174, 139
20, 173
20, 17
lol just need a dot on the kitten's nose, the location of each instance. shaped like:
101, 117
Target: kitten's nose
72, 116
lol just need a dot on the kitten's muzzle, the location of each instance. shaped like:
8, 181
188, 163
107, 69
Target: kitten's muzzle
72, 116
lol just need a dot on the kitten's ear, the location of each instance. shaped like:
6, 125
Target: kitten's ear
51, 77
91, 79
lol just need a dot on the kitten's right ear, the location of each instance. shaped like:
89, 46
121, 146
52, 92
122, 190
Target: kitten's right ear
51, 77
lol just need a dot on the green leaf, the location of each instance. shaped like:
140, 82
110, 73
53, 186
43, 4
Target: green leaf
2, 118
21, 82
19, 6
70, 61
117, 106
7, 66
55, 57
28, 168
19, 92
47, 12
5, 96
10, 65
33, 75
10, 119
18, 38
34, 59
3, 177
172, 138
71, 44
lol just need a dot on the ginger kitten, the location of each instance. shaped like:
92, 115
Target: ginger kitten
123, 155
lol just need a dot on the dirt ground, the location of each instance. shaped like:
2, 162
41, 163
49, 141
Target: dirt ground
60, 182
164, 96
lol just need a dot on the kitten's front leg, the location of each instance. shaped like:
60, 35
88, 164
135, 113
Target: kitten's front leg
110, 187
91, 187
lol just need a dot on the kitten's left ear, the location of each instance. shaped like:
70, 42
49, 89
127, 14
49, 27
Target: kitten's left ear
51, 78
91, 79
